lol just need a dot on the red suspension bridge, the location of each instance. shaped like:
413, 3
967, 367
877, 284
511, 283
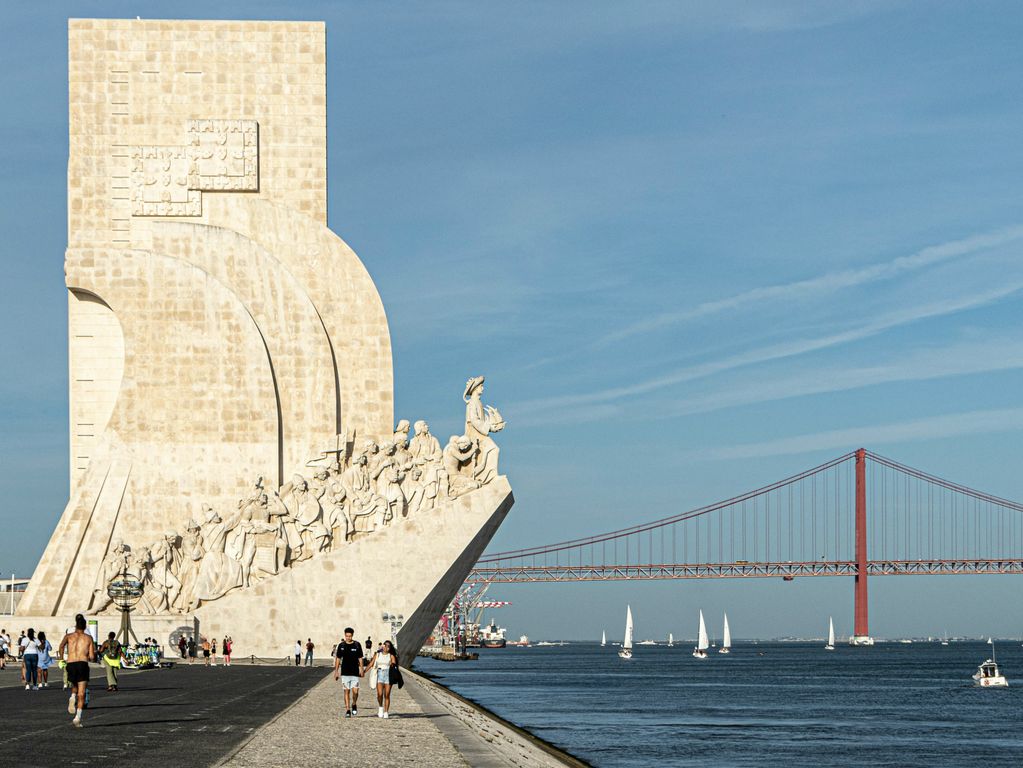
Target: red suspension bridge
858, 515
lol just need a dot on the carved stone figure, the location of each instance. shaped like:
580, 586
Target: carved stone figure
480, 422
336, 506
303, 505
459, 457
242, 542
428, 457
401, 430
218, 573
191, 555
424, 447
113, 565
141, 565
366, 506
164, 554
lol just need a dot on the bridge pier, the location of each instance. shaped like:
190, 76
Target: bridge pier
861, 630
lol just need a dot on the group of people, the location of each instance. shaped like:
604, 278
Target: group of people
34, 654
351, 665
189, 648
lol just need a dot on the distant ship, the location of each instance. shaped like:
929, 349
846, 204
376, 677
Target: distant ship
492, 636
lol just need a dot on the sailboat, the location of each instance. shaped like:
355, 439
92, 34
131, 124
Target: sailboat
626, 651
945, 641
831, 635
700, 651
726, 643
603, 638
671, 640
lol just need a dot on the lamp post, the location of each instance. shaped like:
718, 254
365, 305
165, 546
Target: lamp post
126, 591
396, 622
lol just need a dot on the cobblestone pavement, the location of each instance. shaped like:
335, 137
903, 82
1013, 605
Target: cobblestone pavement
314, 733
185, 716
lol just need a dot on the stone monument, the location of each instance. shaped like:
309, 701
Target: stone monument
233, 442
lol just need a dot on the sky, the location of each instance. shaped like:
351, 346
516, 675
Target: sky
694, 247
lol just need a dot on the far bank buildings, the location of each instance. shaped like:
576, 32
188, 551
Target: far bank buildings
233, 441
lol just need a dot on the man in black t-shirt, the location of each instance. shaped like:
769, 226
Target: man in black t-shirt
348, 661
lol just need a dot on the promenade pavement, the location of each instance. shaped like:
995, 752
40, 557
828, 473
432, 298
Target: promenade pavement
160, 718
314, 733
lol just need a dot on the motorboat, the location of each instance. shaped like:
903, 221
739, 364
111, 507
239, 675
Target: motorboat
702, 643
726, 641
831, 635
626, 651
647, 642
988, 675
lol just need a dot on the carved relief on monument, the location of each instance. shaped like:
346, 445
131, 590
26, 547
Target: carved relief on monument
226, 155
365, 488
159, 180
221, 156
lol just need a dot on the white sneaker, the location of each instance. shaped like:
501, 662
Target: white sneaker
380, 711
77, 722
28, 687
71, 704
385, 715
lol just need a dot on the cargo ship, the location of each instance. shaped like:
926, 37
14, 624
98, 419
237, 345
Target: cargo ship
492, 636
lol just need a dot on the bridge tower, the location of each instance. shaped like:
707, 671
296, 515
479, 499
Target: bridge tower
861, 631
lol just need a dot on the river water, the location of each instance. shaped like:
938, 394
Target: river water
766, 704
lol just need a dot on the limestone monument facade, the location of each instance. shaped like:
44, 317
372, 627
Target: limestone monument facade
233, 441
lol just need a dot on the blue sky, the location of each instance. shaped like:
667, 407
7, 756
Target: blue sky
695, 247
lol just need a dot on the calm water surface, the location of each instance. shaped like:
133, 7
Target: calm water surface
764, 704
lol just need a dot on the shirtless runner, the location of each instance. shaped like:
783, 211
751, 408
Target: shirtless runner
80, 651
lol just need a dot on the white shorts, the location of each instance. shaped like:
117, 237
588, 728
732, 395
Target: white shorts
349, 681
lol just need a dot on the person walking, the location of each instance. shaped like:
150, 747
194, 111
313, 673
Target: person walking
206, 652
192, 650
350, 663
30, 659
309, 652
227, 651
80, 650
5, 648
183, 647
110, 652
385, 666
45, 660
298, 653
213, 650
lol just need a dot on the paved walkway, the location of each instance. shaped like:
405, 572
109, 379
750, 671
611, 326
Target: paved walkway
314, 732
169, 717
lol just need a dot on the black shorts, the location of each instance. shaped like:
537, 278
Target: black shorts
78, 672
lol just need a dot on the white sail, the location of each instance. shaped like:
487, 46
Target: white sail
671, 639
603, 639
831, 631
703, 643
727, 642
628, 627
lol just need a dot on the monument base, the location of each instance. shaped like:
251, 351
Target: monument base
393, 585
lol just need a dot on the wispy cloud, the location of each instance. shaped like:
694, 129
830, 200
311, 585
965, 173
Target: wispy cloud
822, 285
779, 351
958, 359
930, 428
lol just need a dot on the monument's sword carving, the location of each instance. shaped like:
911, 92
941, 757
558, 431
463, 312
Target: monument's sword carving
232, 433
